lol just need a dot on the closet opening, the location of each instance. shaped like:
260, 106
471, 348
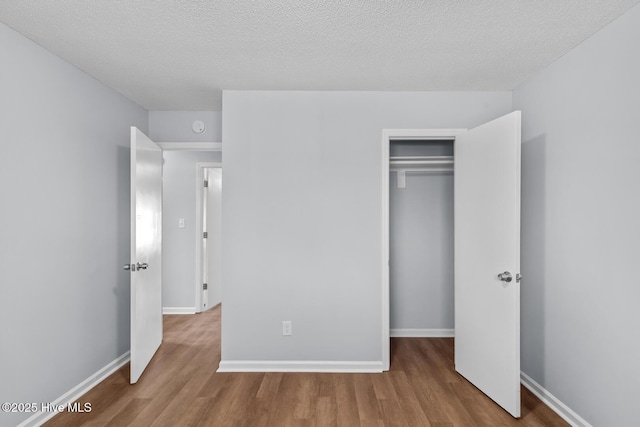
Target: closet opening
484, 191
418, 250
421, 238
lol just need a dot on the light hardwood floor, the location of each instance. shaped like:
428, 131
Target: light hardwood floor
181, 388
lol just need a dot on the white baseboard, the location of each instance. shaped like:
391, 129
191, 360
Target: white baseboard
421, 333
77, 392
178, 310
553, 402
298, 366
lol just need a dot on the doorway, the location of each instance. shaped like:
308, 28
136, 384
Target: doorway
421, 238
149, 231
182, 191
388, 136
208, 235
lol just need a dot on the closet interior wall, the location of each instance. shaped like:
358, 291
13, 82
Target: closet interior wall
421, 237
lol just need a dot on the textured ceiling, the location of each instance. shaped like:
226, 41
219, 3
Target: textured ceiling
180, 54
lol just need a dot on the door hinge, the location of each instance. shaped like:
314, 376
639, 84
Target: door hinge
204, 286
206, 183
205, 235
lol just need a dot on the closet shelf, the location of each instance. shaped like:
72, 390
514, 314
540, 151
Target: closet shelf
421, 163
404, 165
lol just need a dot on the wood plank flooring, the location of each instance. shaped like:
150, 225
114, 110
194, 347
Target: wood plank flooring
181, 388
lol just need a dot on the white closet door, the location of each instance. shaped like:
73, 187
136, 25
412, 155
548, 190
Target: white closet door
487, 243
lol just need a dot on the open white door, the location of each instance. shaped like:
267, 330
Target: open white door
146, 251
212, 244
487, 243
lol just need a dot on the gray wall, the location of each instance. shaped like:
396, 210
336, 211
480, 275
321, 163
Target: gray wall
580, 232
175, 126
178, 246
301, 214
64, 223
421, 251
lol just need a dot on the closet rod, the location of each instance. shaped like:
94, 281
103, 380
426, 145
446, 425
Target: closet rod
421, 161
419, 164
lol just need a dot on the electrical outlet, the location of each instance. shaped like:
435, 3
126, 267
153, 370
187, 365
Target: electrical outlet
287, 327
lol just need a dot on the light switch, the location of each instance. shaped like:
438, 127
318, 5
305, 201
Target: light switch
181, 223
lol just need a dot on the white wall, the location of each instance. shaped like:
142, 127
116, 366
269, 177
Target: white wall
175, 126
64, 223
178, 246
302, 215
580, 225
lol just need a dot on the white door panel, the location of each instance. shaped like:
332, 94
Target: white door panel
487, 242
214, 239
146, 251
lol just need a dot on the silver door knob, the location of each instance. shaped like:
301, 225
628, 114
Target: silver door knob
142, 266
505, 277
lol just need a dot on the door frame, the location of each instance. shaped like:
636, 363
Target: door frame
389, 135
200, 167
